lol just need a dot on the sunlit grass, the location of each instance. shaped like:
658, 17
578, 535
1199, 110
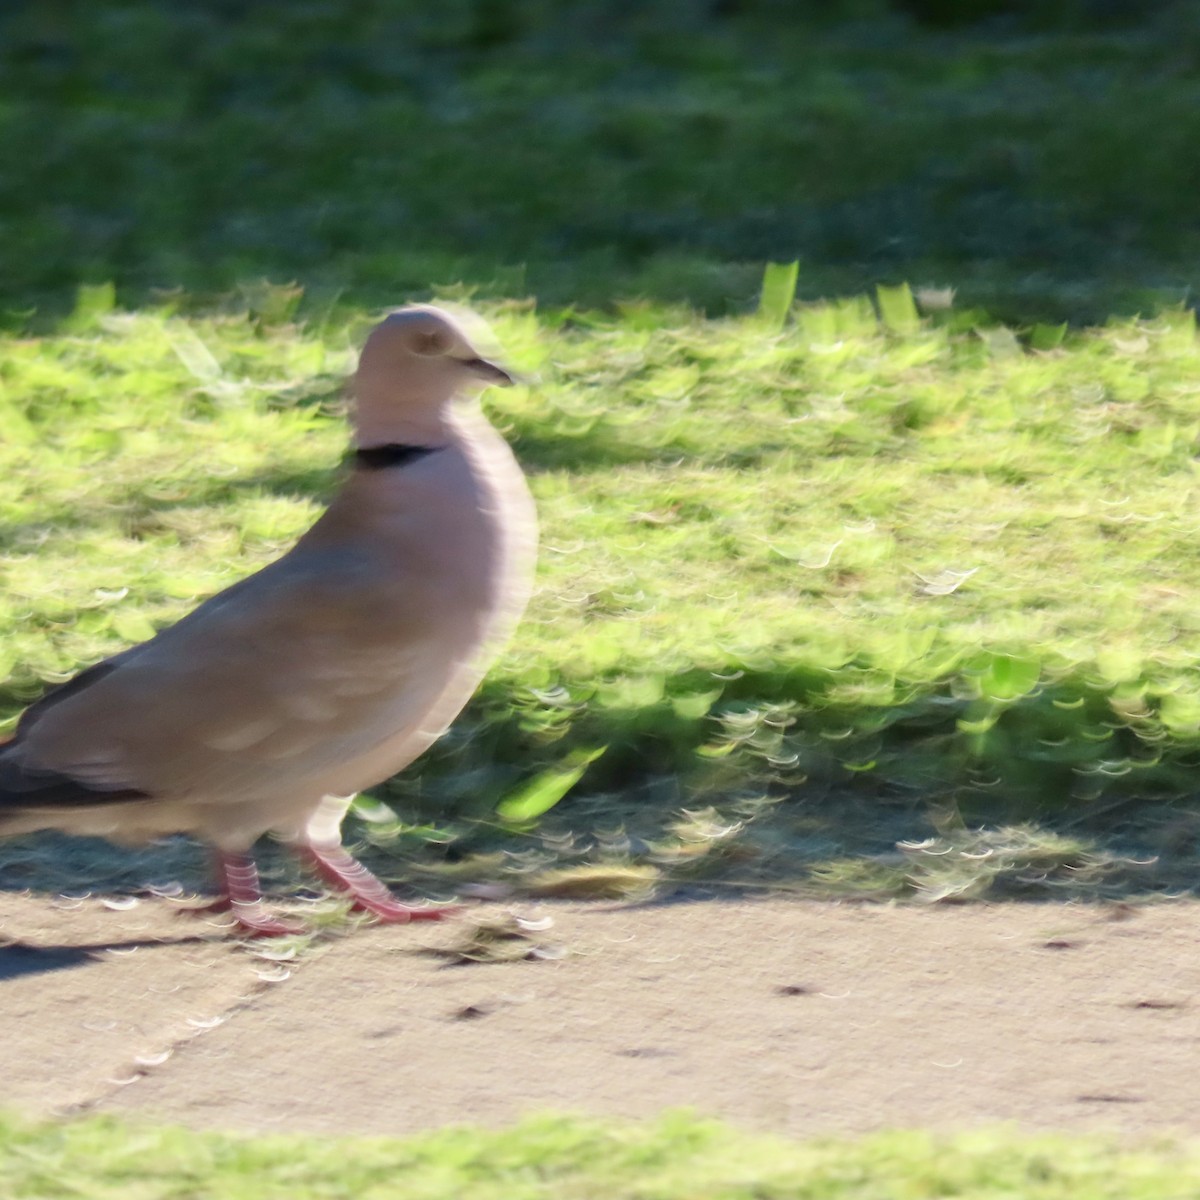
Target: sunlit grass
817, 591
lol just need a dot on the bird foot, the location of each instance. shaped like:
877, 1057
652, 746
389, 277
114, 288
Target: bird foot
241, 898
395, 913
254, 921
367, 893
253, 918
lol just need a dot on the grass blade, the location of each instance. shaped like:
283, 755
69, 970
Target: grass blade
898, 309
547, 788
778, 292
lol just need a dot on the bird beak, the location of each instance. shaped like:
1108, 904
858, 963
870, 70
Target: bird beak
489, 372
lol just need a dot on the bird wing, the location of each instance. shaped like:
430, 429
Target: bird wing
281, 678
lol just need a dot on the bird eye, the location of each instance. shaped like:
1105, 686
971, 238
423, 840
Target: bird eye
430, 341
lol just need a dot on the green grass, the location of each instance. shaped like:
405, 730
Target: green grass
563, 1158
587, 154
818, 590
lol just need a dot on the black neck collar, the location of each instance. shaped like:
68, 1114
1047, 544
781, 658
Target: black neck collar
394, 454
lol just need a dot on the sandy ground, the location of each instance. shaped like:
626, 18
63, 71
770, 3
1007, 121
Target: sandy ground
797, 1017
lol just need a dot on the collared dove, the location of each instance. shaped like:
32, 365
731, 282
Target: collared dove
273, 703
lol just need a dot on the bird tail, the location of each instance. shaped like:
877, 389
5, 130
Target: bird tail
24, 787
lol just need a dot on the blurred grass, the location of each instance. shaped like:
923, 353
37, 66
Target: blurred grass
869, 605
573, 1158
585, 153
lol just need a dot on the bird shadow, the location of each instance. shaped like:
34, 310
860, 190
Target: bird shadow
19, 959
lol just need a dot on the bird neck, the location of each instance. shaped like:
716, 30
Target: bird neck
421, 420
389, 455
391, 429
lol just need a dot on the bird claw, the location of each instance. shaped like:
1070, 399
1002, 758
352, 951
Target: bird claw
254, 922
242, 897
395, 913
252, 919
367, 894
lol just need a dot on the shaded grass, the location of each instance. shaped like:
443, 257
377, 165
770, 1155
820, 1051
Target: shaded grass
588, 154
570, 1158
819, 592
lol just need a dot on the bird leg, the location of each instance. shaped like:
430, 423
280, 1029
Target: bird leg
241, 896
345, 873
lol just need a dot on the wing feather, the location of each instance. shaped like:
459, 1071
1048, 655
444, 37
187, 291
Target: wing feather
277, 680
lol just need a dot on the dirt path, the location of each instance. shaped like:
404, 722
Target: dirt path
798, 1017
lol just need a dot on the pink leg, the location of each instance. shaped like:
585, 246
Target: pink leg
241, 896
345, 873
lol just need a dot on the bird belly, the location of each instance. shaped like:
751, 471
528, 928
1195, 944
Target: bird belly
136, 822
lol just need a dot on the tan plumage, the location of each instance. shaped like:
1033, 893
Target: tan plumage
271, 704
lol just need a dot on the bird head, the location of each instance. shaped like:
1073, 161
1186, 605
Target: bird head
414, 363
432, 350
